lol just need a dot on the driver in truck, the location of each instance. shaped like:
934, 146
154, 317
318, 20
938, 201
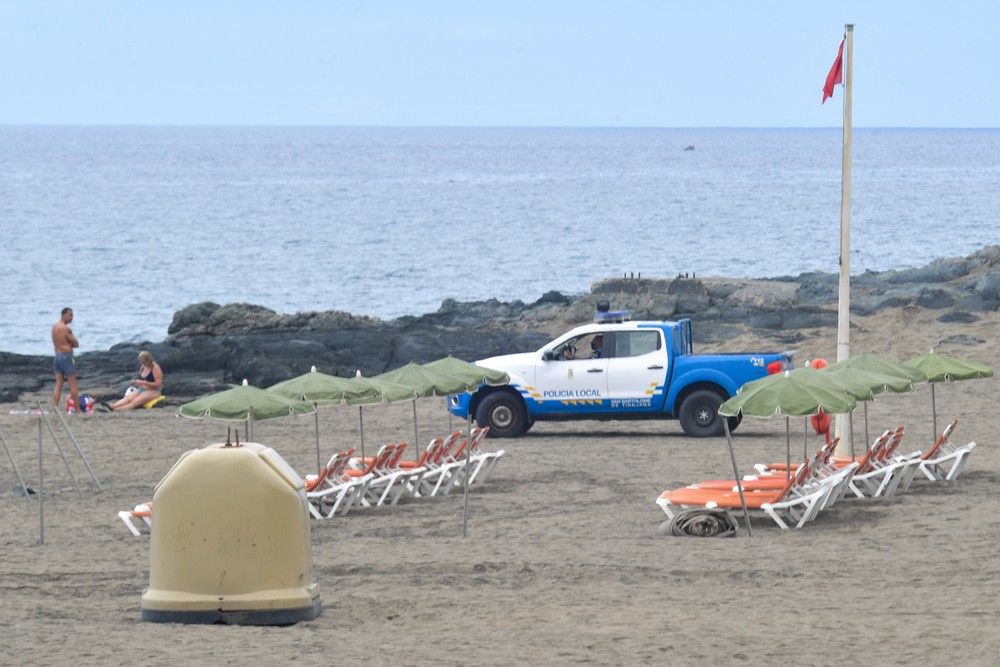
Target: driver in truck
597, 346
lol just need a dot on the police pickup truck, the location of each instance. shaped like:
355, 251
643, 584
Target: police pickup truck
616, 369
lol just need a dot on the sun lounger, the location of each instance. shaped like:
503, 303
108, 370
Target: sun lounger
389, 482
382, 475
333, 490
944, 462
483, 462
791, 506
439, 468
417, 470
774, 480
142, 512
348, 490
823, 474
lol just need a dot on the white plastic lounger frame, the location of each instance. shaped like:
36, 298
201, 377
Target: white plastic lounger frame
949, 465
142, 511
794, 510
339, 497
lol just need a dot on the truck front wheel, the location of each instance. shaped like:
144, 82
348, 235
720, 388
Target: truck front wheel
504, 414
699, 414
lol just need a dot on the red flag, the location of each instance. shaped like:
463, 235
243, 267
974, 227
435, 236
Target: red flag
836, 74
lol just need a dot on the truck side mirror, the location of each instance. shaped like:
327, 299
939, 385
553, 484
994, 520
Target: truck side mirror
547, 355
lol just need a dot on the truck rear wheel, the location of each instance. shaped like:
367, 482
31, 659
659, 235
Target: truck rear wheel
504, 413
699, 414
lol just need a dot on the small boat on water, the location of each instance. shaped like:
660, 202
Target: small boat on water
689, 147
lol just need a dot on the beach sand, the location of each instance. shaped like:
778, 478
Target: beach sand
562, 563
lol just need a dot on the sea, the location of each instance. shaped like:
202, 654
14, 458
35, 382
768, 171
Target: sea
127, 225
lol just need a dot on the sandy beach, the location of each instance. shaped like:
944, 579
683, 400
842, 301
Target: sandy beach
562, 563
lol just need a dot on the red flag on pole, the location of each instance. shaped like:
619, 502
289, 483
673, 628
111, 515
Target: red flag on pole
835, 75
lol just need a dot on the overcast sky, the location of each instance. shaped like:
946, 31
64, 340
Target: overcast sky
509, 63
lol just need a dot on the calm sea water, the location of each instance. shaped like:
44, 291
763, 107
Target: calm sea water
129, 224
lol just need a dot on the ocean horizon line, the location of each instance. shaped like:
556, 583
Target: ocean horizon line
496, 127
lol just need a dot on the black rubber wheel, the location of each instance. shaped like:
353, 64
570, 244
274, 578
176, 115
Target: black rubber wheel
699, 414
504, 414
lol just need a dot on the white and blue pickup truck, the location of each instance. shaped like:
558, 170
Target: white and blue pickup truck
616, 369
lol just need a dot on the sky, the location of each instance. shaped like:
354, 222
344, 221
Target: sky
621, 63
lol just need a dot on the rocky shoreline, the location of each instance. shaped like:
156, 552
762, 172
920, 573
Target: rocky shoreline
209, 346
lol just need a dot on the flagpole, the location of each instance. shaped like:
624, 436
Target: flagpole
843, 427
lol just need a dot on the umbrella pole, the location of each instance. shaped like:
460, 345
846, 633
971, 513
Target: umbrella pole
736, 473
850, 425
41, 484
416, 438
465, 506
319, 465
805, 439
788, 451
934, 413
361, 423
867, 439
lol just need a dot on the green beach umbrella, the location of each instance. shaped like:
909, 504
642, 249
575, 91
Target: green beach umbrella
942, 368
876, 383
802, 392
381, 391
874, 364
472, 373
868, 371
798, 393
244, 403
479, 375
425, 382
322, 389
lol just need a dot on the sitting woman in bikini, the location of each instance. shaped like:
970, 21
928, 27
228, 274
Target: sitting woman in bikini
149, 384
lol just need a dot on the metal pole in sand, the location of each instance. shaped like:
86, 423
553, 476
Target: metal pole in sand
79, 450
319, 465
416, 438
736, 476
17, 473
805, 439
850, 428
361, 423
867, 438
465, 506
62, 454
41, 486
788, 451
934, 435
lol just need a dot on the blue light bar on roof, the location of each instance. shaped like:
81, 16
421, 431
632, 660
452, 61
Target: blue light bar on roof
604, 316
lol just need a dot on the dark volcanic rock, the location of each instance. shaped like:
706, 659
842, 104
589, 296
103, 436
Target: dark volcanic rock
210, 346
957, 316
938, 271
988, 287
189, 316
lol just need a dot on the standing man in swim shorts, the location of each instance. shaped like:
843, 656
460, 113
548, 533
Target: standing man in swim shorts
63, 365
